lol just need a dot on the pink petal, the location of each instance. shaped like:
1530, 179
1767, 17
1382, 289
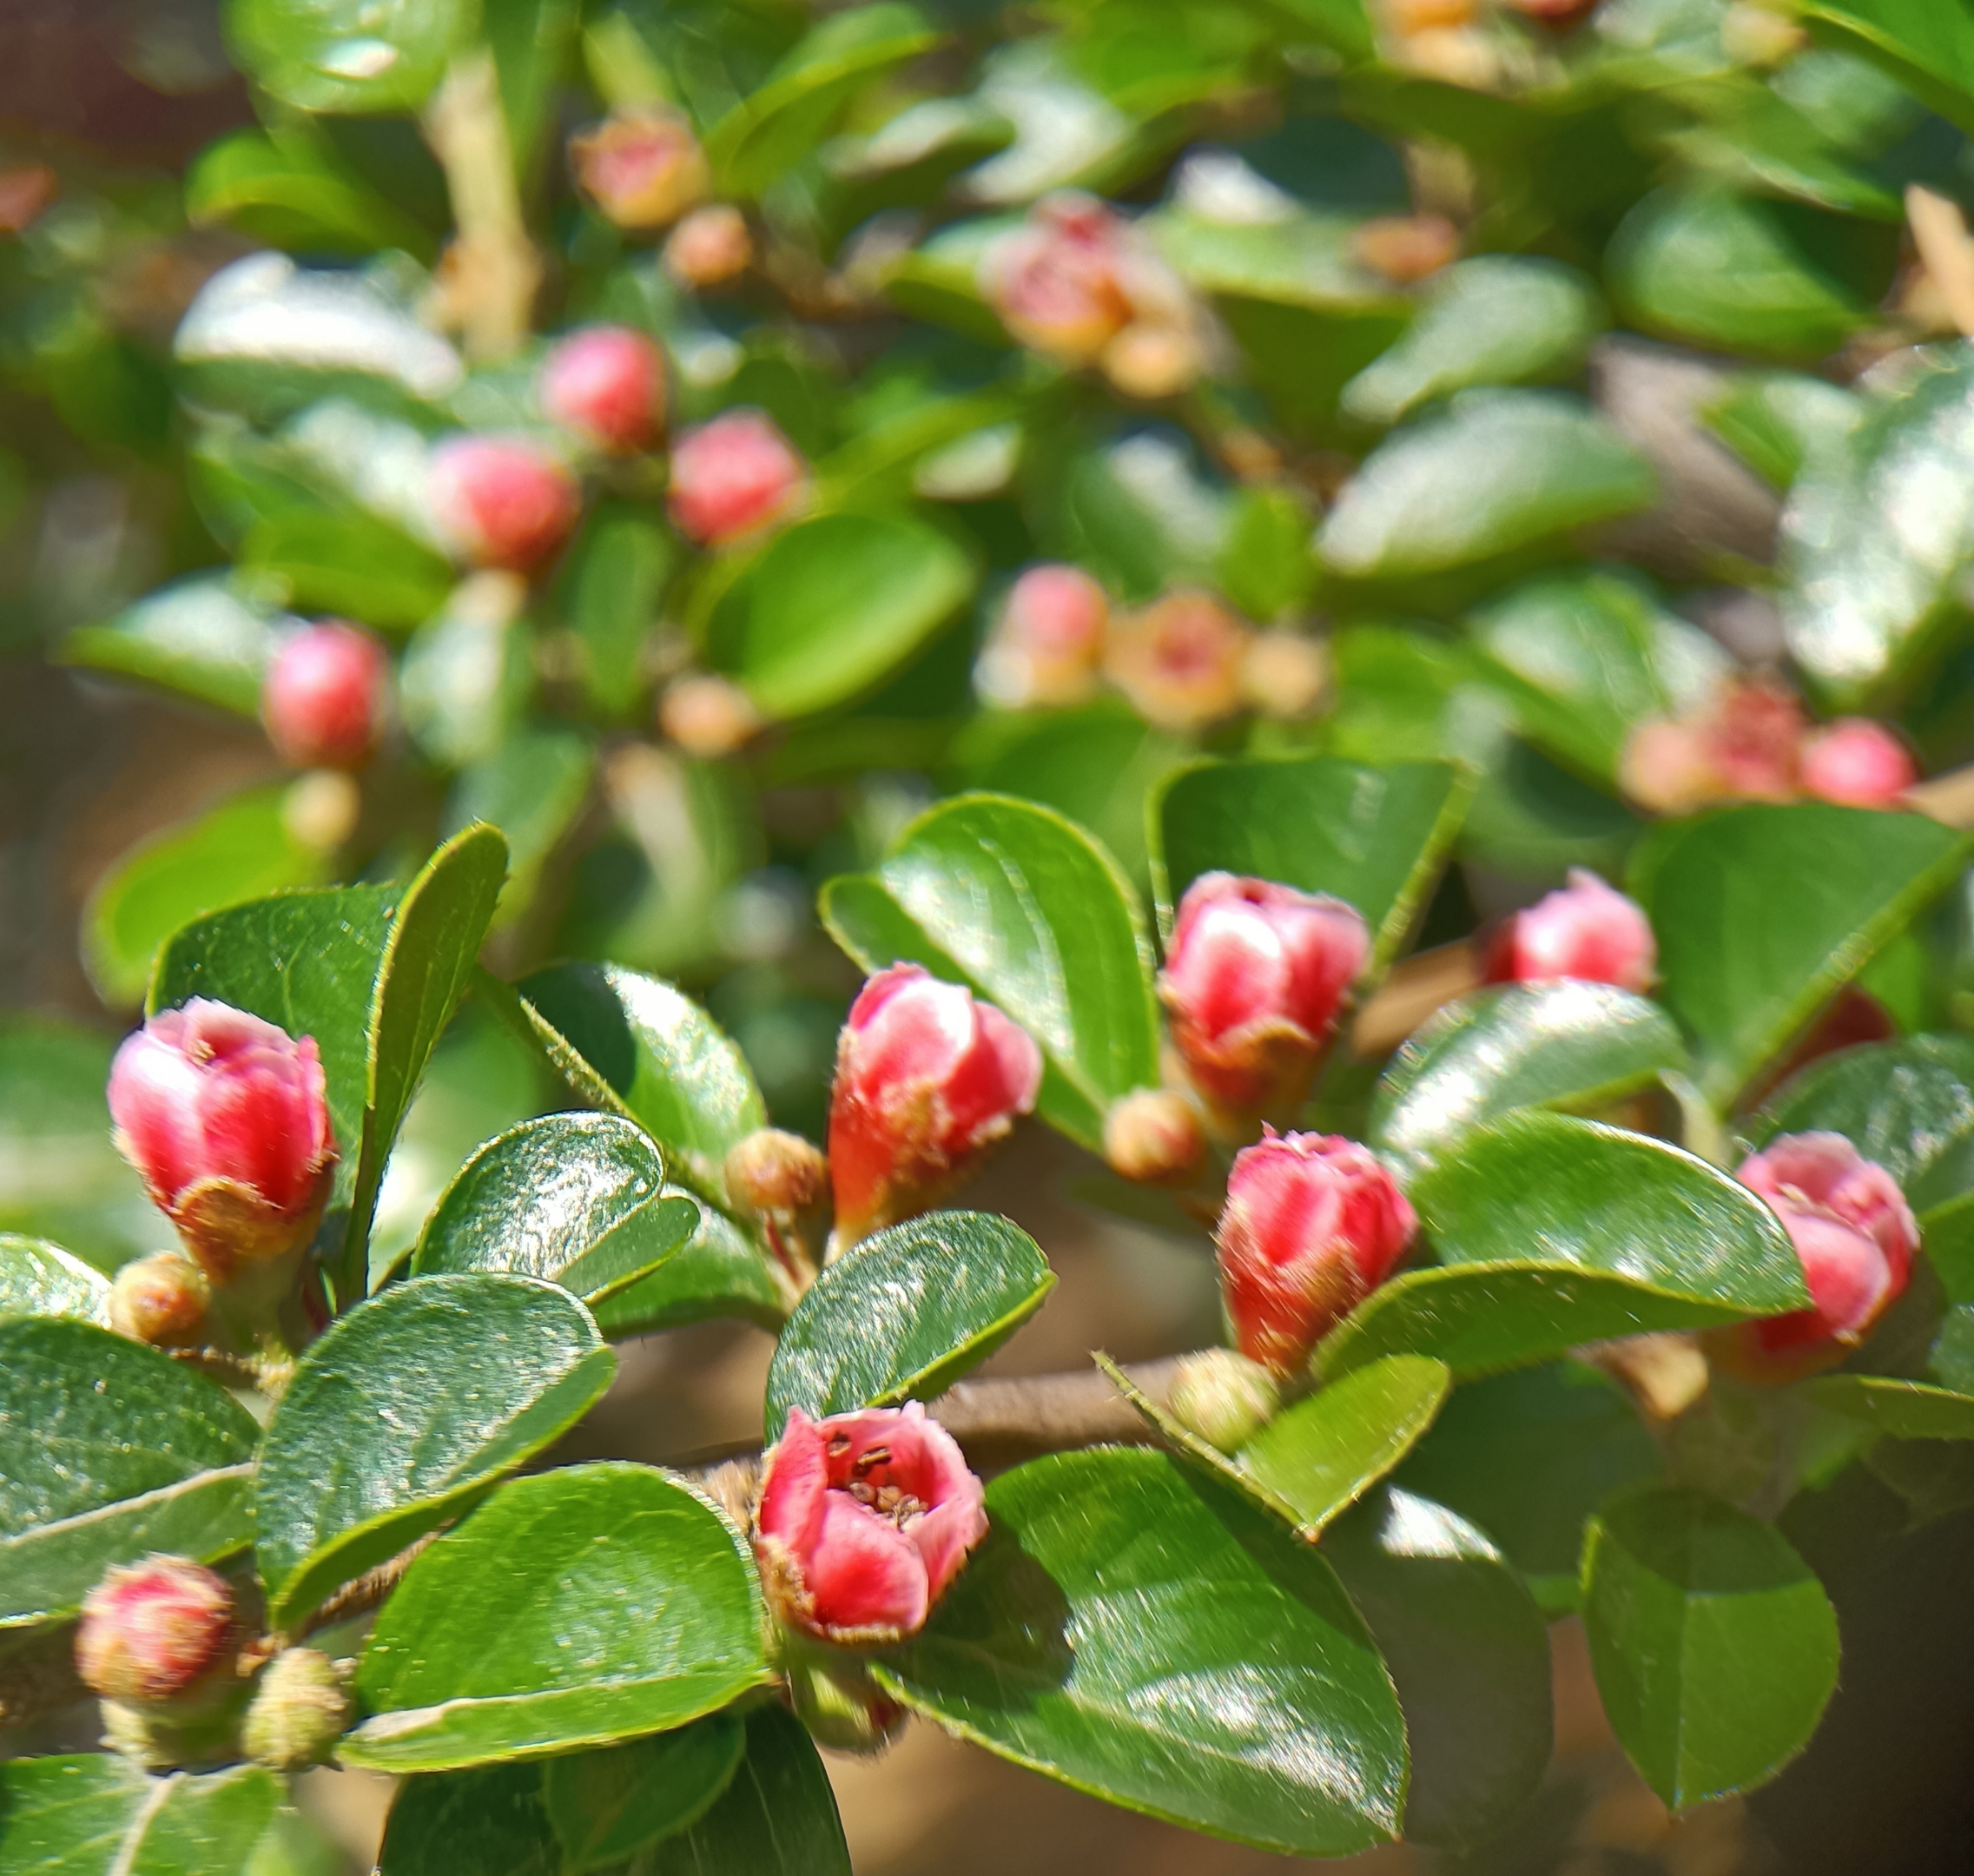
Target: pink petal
792, 1490
863, 1572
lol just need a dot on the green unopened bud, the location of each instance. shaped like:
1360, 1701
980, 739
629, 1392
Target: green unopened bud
301, 1708
835, 1697
1223, 1397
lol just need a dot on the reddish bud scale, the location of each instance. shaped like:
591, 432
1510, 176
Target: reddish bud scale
732, 475
504, 503
323, 699
927, 1079
608, 384
160, 1630
1313, 1224
1588, 931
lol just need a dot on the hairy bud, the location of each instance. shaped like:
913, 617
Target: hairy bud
1588, 930
927, 1079
1048, 642
642, 169
1178, 660
607, 383
162, 1630
864, 1520
162, 1300
707, 716
1859, 762
1223, 1397
1313, 1224
732, 475
323, 697
1254, 982
228, 1119
1153, 1136
771, 1171
709, 248
503, 502
301, 1707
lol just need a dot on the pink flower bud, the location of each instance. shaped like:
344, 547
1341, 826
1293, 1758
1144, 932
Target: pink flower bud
503, 502
162, 1300
1313, 1224
1057, 283
711, 246
927, 1079
1588, 930
771, 1171
707, 716
1254, 982
1857, 761
323, 701
160, 1630
1742, 746
226, 1117
642, 169
1153, 1136
1178, 662
1853, 1232
731, 476
1049, 642
606, 383
864, 1520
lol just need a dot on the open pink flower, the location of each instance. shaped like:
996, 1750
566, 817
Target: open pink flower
732, 475
226, 1118
864, 1520
1852, 1230
1313, 1224
926, 1078
1588, 930
1254, 981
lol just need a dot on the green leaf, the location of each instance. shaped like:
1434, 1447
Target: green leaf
531, 787
1715, 1647
1764, 911
428, 958
1495, 471
1026, 907
94, 1814
832, 607
905, 1313
1929, 49
349, 56
770, 132
1739, 274
198, 638
307, 961
674, 1070
242, 850
39, 1278
1314, 1461
777, 1818
609, 592
405, 1411
292, 195
1468, 1651
490, 1819
1528, 1456
1082, 1641
354, 564
609, 1805
577, 1199
1778, 421
625, 1604
1878, 534
1495, 319
1376, 837
721, 1273
1571, 1045
1905, 1410
113, 1450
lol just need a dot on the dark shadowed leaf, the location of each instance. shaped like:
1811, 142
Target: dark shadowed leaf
608, 1804
776, 1818
1907, 1410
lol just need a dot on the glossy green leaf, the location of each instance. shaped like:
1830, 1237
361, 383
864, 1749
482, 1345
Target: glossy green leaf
347, 54
490, 1819
905, 1313
407, 1409
721, 1273
609, 1805
347, 563
308, 961
1905, 1410
1028, 909
577, 1199
109, 1450
39, 1278
771, 132
1715, 1647
94, 1814
291, 194
625, 1604
608, 594
1528, 1456
1929, 49
1376, 837
1762, 912
675, 1071
242, 850
1495, 319
1569, 1045
198, 638
1468, 1651
834, 606
1495, 471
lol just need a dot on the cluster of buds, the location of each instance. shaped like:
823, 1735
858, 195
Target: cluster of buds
1588, 931
1855, 1236
1752, 742
323, 699
733, 477
1181, 663
1080, 285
